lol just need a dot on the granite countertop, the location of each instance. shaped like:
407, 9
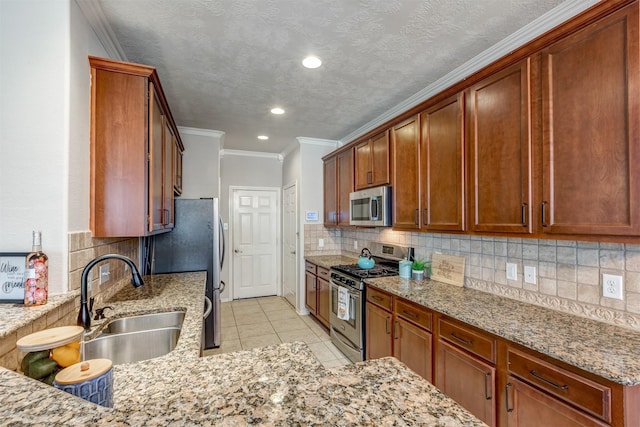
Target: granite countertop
328, 261
605, 350
276, 385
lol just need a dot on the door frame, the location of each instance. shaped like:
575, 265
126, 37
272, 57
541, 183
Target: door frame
278, 250
297, 241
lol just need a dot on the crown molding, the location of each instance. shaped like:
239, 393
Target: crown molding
243, 153
289, 149
316, 141
92, 10
201, 132
544, 23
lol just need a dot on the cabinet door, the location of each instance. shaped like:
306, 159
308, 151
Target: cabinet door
363, 166
379, 342
498, 111
380, 159
156, 165
344, 185
167, 175
311, 298
330, 192
442, 166
591, 129
177, 168
468, 381
323, 304
412, 346
405, 139
529, 407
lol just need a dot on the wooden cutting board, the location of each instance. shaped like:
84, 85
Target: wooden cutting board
448, 269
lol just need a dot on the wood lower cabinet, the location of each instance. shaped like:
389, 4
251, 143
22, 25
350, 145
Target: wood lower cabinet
131, 179
591, 129
317, 298
398, 328
465, 369
405, 160
338, 184
500, 146
372, 161
442, 179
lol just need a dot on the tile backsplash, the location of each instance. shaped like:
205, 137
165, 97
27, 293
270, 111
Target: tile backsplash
568, 273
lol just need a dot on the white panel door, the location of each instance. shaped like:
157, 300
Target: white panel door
290, 240
255, 215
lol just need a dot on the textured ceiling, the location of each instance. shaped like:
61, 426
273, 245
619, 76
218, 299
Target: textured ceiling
224, 63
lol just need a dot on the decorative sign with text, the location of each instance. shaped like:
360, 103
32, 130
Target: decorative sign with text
12, 266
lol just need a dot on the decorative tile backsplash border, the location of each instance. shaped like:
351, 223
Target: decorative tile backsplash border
569, 273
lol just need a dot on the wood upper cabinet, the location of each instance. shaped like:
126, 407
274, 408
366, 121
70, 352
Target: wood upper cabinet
591, 105
405, 141
338, 184
442, 166
499, 142
177, 166
372, 161
132, 133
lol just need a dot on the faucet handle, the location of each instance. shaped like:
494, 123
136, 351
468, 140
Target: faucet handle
91, 301
100, 312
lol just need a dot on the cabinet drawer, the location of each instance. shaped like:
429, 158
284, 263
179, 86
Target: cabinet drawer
380, 298
310, 267
413, 313
475, 342
323, 273
586, 394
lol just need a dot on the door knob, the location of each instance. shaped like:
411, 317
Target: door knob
293, 252
237, 251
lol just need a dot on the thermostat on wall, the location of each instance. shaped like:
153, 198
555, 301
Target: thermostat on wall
311, 215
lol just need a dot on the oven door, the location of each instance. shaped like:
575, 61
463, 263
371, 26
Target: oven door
346, 334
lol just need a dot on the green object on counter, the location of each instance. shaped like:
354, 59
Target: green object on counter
31, 357
41, 368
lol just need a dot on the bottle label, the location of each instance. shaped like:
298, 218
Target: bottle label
30, 273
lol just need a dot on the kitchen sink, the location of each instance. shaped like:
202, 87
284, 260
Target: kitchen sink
129, 347
145, 322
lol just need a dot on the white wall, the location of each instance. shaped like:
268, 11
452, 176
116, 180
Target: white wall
291, 171
44, 127
201, 162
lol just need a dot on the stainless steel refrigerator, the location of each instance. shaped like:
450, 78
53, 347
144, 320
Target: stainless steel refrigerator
196, 243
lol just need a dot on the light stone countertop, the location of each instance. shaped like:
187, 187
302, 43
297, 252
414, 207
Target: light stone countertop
328, 261
276, 385
605, 350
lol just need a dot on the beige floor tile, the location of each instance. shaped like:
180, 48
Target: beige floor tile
335, 350
229, 333
275, 305
244, 303
227, 320
246, 331
282, 314
322, 352
226, 346
250, 318
304, 335
259, 341
288, 325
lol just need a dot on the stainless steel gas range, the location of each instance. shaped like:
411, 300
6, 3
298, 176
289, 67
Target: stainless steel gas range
347, 291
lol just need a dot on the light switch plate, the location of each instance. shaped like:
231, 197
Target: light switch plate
512, 271
530, 274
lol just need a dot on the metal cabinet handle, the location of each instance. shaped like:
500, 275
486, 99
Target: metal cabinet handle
486, 386
524, 214
544, 221
386, 325
396, 335
409, 314
462, 340
369, 178
551, 383
424, 216
376, 297
506, 400
416, 217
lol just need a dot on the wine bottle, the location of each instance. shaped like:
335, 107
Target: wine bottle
36, 283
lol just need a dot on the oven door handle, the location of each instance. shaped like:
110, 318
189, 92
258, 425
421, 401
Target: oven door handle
344, 339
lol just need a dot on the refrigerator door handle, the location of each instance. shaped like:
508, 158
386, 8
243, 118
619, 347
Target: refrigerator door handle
222, 242
222, 286
209, 304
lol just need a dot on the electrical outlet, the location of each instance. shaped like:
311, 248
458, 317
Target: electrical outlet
321, 243
355, 244
512, 271
530, 274
612, 286
104, 273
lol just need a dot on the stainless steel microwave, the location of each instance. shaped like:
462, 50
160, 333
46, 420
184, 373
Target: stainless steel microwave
371, 207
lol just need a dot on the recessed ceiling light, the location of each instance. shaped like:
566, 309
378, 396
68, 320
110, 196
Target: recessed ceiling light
311, 62
263, 137
277, 110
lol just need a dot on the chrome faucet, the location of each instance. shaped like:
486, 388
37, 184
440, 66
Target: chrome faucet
84, 316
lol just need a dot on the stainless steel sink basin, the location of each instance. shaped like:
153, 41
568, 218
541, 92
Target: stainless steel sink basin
129, 347
145, 322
